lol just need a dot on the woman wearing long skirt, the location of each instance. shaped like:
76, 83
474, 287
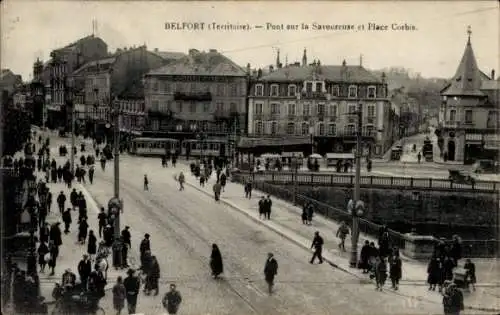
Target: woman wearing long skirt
216, 262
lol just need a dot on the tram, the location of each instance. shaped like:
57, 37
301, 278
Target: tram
154, 146
207, 147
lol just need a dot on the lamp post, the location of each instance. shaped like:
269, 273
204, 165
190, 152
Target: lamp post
69, 101
357, 206
115, 205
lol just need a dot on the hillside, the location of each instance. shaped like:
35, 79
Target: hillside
425, 90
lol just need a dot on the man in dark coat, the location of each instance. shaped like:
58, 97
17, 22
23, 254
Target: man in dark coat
383, 241
102, 218
270, 271
91, 174
317, 244
172, 300
66, 217
453, 300
55, 234
61, 201
268, 207
108, 235
132, 285
364, 257
262, 207
73, 197
84, 269
144, 246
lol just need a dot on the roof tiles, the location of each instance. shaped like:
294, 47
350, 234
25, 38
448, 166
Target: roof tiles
355, 74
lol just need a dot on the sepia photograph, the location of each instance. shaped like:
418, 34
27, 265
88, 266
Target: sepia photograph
250, 157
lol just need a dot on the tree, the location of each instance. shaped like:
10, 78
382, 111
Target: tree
16, 129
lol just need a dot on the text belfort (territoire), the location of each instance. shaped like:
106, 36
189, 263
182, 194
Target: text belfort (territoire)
213, 26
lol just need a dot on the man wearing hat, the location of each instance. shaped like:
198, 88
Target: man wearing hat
453, 300
270, 271
144, 247
132, 286
84, 269
68, 279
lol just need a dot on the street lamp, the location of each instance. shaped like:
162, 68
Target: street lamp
69, 103
115, 204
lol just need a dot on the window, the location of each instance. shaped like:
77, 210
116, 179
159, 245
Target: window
332, 129
304, 129
321, 109
372, 92
350, 130
321, 129
468, 116
156, 86
492, 120
290, 128
351, 109
319, 87
192, 107
274, 128
369, 130
306, 109
335, 91
220, 89
275, 108
233, 108
179, 104
274, 90
292, 90
258, 127
234, 90
155, 105
219, 107
167, 87
258, 109
333, 110
206, 107
259, 90
353, 91
309, 87
453, 115
371, 111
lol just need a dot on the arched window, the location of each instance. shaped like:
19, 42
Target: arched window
290, 128
274, 128
258, 127
321, 129
304, 129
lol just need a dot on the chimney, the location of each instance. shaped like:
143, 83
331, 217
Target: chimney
213, 51
259, 73
156, 50
493, 74
248, 68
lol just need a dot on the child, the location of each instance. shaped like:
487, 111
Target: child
470, 273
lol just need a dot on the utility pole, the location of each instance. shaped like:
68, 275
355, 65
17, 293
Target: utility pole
72, 137
355, 218
115, 203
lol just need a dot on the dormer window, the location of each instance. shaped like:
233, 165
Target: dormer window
259, 90
292, 90
309, 87
335, 91
274, 90
353, 91
319, 87
372, 92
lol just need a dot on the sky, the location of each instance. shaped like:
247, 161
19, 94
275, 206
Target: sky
31, 29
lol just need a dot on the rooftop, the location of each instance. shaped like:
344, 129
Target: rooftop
344, 73
211, 63
169, 55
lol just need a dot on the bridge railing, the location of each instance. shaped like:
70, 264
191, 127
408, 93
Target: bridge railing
383, 181
471, 248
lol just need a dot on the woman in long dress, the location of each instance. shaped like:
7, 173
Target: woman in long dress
216, 262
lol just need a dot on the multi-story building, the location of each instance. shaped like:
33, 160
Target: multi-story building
9, 81
61, 65
120, 76
469, 113
204, 91
319, 103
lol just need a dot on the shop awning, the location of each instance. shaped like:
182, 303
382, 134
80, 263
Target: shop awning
492, 142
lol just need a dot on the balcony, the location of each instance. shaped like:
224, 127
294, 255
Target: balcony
315, 95
352, 133
204, 96
451, 124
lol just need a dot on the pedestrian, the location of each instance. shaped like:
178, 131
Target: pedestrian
364, 257
453, 300
172, 300
82, 231
270, 271
262, 206
153, 276
66, 217
49, 201
163, 160
317, 244
91, 174
55, 234
92, 245
42, 251
223, 181
248, 189
119, 295
44, 233
54, 252
448, 265
108, 235
202, 180
380, 272
146, 182
310, 213
125, 235
132, 285
395, 270
456, 249
181, 180
342, 233
144, 247
217, 188
216, 264
73, 197
268, 206
419, 157
84, 269
383, 241
102, 219
434, 273
470, 273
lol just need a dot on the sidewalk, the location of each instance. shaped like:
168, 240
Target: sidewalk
286, 221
